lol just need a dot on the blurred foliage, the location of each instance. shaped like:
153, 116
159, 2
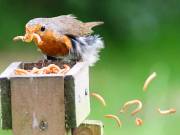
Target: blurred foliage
141, 36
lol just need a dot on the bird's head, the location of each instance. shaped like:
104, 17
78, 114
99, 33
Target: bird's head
38, 26
36, 29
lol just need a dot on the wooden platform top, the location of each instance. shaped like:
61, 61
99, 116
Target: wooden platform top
9, 71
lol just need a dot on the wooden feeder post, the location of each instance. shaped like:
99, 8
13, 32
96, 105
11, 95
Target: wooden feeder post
89, 127
44, 104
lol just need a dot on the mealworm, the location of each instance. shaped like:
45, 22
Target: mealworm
21, 72
28, 38
148, 80
37, 37
54, 68
138, 121
100, 98
164, 112
35, 70
44, 70
50, 69
127, 104
115, 118
18, 38
66, 69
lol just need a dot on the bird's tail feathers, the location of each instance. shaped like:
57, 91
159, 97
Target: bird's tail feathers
93, 24
88, 48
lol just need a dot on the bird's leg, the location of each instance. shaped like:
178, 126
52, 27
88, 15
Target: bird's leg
51, 58
46, 59
43, 61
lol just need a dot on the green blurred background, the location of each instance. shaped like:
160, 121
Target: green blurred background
141, 36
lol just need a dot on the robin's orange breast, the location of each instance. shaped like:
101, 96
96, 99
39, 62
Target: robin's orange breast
54, 46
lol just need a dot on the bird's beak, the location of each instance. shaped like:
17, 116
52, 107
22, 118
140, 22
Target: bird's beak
29, 36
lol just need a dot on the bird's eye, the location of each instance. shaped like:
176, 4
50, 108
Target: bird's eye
43, 28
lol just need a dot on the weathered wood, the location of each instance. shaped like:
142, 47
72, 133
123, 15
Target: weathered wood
6, 118
76, 88
89, 127
5, 94
77, 103
38, 105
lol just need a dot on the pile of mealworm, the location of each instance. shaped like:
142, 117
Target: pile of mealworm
138, 121
50, 69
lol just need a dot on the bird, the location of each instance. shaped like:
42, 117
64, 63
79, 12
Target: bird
64, 37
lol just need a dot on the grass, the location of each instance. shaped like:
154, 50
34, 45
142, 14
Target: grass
9, 132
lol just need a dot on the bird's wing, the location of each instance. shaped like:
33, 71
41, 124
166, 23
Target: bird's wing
69, 25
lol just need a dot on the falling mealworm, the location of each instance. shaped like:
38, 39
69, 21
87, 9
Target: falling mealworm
164, 112
148, 80
127, 104
115, 118
138, 121
99, 97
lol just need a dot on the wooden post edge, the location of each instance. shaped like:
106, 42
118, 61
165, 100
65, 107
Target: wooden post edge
5, 96
77, 102
89, 127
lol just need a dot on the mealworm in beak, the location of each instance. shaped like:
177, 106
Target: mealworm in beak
164, 112
37, 37
18, 38
127, 104
115, 118
138, 121
99, 97
148, 80
28, 38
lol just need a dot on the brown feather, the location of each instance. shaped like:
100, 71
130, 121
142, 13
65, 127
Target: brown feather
93, 24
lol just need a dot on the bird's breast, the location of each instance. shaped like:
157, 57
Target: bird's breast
54, 48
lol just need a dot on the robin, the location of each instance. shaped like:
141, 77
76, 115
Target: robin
64, 37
